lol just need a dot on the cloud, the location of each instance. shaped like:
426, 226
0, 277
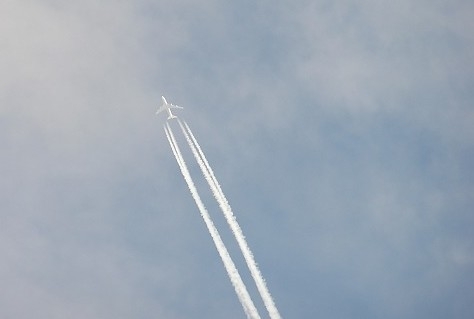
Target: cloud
344, 128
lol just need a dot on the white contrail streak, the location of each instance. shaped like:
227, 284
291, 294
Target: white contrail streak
229, 265
231, 220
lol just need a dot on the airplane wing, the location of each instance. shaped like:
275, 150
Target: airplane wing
167, 106
161, 109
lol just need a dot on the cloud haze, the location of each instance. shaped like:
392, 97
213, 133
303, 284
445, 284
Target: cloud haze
341, 133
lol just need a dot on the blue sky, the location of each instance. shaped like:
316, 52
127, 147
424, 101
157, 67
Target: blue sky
341, 133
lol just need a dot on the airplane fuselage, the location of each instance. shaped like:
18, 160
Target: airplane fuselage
168, 106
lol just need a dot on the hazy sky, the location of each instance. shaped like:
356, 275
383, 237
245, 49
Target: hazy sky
341, 132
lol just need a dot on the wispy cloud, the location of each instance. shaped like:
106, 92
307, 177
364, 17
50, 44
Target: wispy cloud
345, 128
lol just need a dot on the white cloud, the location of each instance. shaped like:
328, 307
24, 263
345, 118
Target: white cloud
352, 122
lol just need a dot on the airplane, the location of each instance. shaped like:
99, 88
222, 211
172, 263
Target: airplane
167, 106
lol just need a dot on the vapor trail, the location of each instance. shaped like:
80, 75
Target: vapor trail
239, 286
231, 220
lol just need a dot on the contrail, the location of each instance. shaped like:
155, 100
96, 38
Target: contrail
239, 286
231, 220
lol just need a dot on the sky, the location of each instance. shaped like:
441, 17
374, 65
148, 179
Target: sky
340, 131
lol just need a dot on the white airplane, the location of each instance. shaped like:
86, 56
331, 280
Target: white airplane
167, 107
